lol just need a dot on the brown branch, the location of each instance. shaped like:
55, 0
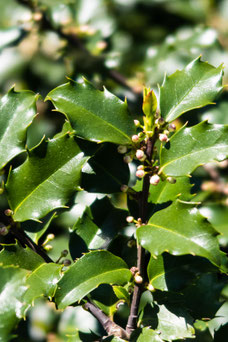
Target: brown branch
110, 327
143, 205
25, 240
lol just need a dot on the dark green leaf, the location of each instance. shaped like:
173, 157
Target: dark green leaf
42, 282
47, 179
164, 191
172, 273
173, 326
180, 229
149, 335
94, 115
105, 175
195, 86
12, 289
17, 110
101, 267
15, 255
194, 146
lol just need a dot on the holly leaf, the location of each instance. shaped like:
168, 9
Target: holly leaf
173, 273
104, 166
194, 146
93, 114
101, 267
17, 110
12, 289
193, 87
149, 335
165, 191
46, 180
41, 282
15, 255
180, 229
174, 326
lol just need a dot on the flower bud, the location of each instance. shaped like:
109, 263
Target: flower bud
138, 279
140, 173
8, 212
140, 167
150, 287
1, 191
124, 188
166, 132
139, 154
66, 262
171, 180
50, 237
160, 121
171, 127
48, 248
64, 253
3, 230
130, 219
137, 123
127, 159
163, 137
131, 243
135, 138
154, 180
122, 149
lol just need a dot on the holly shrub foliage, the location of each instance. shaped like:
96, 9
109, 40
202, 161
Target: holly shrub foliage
147, 266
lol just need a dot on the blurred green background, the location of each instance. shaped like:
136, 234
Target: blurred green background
124, 45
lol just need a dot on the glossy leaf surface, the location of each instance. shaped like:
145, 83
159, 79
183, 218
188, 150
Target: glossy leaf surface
47, 179
194, 146
172, 273
17, 256
149, 335
42, 282
180, 229
104, 171
164, 191
195, 86
94, 115
101, 267
173, 326
12, 289
17, 110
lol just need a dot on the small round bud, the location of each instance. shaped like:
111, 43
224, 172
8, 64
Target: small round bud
137, 123
166, 132
127, 159
130, 219
139, 154
64, 253
154, 180
150, 287
8, 212
66, 262
131, 243
140, 173
37, 16
1, 191
135, 138
48, 248
171, 127
3, 230
141, 134
171, 180
161, 121
163, 137
140, 167
50, 237
124, 188
138, 279
122, 149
